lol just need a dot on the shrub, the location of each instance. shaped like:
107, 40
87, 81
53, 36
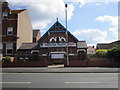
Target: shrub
7, 59
101, 53
114, 52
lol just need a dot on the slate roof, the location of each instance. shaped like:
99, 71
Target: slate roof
107, 45
52, 29
28, 46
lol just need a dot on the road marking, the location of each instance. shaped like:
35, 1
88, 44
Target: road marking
15, 82
89, 82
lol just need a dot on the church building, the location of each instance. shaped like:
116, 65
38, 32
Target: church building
58, 45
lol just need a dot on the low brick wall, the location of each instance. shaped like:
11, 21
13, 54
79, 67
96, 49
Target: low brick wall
94, 62
25, 64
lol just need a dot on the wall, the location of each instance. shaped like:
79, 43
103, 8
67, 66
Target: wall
97, 62
24, 64
0, 27
24, 28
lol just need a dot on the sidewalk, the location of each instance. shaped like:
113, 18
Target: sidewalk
60, 69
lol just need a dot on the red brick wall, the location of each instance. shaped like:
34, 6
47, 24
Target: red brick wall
88, 63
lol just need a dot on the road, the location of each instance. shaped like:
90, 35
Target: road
60, 80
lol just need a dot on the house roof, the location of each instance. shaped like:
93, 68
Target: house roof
16, 11
35, 32
28, 46
90, 49
54, 29
107, 45
103, 46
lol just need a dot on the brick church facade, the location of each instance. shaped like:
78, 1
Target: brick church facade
58, 44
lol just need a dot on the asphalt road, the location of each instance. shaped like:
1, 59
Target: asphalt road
60, 80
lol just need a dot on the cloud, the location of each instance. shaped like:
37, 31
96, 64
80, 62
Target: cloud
84, 2
91, 35
114, 31
43, 12
113, 20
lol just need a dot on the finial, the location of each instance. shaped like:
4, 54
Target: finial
57, 18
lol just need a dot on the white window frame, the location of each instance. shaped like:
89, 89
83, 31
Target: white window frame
5, 15
9, 48
9, 29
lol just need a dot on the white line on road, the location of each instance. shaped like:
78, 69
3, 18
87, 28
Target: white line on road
90, 82
15, 82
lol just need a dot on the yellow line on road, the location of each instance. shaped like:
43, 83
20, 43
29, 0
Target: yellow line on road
15, 82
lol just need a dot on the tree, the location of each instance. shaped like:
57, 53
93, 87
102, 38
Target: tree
114, 53
101, 53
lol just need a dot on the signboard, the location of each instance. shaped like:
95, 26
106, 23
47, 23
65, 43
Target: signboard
58, 45
57, 56
81, 45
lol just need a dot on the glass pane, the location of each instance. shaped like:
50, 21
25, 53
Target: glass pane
9, 45
9, 51
10, 31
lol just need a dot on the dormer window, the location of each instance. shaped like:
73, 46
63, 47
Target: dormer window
5, 15
10, 31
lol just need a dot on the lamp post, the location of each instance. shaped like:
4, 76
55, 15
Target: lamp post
66, 34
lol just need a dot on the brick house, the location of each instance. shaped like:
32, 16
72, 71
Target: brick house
15, 25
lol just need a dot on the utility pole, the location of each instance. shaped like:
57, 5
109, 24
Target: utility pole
66, 34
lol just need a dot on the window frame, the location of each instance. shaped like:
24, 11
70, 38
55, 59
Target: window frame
9, 48
9, 30
5, 15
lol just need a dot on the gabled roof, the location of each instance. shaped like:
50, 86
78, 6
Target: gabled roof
28, 46
53, 28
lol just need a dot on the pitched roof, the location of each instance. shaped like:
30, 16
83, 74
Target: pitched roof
103, 46
54, 28
107, 45
90, 49
28, 46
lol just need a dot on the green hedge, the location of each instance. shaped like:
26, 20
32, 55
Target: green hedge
100, 53
114, 53
7, 59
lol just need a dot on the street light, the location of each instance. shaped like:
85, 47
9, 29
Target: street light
66, 34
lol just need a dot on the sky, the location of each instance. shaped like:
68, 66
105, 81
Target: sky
95, 21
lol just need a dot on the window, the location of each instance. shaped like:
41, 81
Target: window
9, 48
5, 15
10, 31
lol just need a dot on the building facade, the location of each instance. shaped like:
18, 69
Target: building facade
58, 45
0, 27
15, 26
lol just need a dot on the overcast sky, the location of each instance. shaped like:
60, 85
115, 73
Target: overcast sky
95, 21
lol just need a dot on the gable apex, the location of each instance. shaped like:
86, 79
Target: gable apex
57, 26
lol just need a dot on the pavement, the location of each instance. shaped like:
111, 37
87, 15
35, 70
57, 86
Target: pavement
60, 69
